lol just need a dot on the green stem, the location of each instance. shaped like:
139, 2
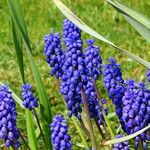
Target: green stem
104, 114
14, 147
39, 125
88, 119
108, 125
24, 141
80, 132
86, 131
99, 129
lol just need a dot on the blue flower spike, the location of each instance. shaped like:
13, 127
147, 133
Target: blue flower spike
93, 60
29, 100
60, 138
8, 126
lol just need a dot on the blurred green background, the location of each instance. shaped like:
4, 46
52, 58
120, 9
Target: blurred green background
42, 16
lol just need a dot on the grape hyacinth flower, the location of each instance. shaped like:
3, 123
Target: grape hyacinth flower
60, 138
8, 127
122, 145
29, 101
74, 70
54, 54
114, 84
93, 60
136, 110
68, 29
148, 75
112, 77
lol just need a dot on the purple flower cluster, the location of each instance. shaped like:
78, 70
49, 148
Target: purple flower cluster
8, 127
60, 138
54, 54
112, 77
122, 145
29, 101
136, 109
68, 29
113, 82
131, 101
74, 70
93, 60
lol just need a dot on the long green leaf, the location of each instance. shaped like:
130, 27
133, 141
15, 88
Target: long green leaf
18, 48
137, 20
126, 138
45, 111
15, 8
30, 130
29, 117
78, 22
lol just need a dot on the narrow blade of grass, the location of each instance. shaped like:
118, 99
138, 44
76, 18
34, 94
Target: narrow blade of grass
137, 20
31, 132
78, 22
80, 132
19, 50
126, 138
17, 14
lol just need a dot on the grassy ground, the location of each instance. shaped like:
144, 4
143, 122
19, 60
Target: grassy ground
42, 16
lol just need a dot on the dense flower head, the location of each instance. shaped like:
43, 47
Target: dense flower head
148, 75
114, 84
112, 76
94, 107
136, 109
93, 60
74, 69
29, 101
54, 54
8, 127
122, 145
69, 28
60, 138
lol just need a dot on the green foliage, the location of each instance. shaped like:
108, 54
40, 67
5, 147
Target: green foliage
15, 9
138, 21
33, 143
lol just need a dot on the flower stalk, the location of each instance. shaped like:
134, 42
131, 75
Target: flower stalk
89, 119
104, 114
80, 132
39, 125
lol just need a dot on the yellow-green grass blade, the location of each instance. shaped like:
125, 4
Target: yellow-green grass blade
30, 131
137, 20
78, 22
126, 138
19, 50
45, 111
